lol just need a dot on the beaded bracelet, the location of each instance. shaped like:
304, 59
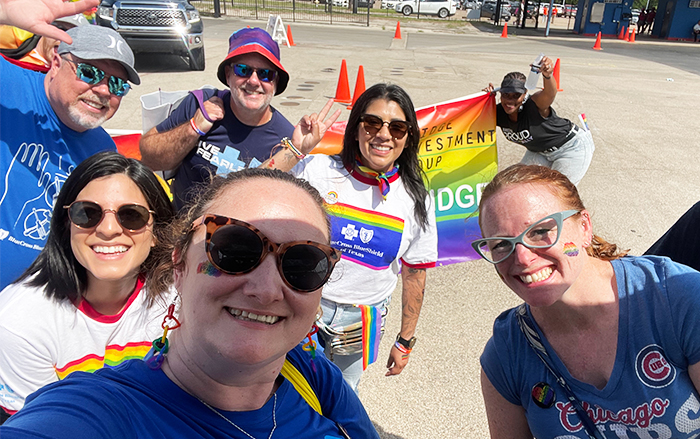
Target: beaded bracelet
286, 141
196, 130
402, 348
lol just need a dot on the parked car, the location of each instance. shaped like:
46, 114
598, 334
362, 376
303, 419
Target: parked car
488, 10
153, 26
469, 4
388, 4
570, 10
441, 8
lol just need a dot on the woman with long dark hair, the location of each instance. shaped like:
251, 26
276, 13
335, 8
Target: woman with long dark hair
383, 219
86, 301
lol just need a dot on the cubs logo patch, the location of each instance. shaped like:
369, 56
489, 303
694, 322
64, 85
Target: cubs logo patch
652, 367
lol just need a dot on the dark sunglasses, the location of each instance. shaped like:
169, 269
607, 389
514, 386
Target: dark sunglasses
246, 71
544, 233
372, 124
236, 247
88, 214
90, 74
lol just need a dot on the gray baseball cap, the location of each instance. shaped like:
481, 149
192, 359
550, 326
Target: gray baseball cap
97, 42
72, 20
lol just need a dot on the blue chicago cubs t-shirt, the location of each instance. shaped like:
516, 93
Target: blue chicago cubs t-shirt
229, 146
649, 394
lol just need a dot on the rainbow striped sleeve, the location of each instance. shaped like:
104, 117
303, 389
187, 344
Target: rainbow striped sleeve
114, 356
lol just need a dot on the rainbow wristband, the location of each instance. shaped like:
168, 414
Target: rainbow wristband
288, 144
196, 130
402, 348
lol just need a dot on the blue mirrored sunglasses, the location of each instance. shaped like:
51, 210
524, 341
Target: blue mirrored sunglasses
543, 233
90, 74
246, 71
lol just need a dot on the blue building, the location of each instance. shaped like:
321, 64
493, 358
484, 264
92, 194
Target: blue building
674, 18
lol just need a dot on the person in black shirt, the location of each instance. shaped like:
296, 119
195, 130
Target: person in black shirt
531, 121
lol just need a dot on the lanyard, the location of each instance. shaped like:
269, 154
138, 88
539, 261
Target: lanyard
528, 329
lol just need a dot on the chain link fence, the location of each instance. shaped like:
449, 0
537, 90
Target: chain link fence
323, 11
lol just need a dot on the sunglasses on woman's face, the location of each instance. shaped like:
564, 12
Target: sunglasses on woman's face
236, 247
246, 71
90, 74
88, 214
544, 233
372, 124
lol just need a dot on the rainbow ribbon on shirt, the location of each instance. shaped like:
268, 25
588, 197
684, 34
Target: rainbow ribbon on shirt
371, 334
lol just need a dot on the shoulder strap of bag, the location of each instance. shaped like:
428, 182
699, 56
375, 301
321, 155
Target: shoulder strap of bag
301, 385
528, 329
199, 95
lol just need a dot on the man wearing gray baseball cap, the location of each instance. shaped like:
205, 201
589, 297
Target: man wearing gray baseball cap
48, 125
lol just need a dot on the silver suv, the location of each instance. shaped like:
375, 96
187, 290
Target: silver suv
157, 26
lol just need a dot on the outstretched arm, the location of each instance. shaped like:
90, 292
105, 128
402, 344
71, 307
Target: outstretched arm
307, 133
41, 14
506, 420
165, 151
545, 97
413, 289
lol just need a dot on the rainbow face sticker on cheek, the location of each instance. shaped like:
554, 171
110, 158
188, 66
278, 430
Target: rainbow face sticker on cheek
570, 249
208, 269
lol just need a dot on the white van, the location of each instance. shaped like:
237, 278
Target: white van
441, 8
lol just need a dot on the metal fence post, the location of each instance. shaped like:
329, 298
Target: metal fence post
217, 9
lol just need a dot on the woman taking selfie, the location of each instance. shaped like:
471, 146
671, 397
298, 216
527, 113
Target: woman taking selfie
604, 346
383, 220
249, 272
82, 304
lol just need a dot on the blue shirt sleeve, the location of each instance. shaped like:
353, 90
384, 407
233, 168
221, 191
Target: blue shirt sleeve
683, 290
497, 358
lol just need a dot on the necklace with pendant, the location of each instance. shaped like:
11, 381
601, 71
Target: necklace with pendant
274, 418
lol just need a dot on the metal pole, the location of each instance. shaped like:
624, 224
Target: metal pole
217, 9
549, 17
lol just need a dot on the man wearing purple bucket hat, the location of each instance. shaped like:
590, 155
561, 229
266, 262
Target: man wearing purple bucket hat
228, 130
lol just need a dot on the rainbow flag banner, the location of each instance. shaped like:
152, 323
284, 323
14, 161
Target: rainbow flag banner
371, 334
458, 154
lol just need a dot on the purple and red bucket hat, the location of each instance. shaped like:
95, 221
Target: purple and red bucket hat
255, 40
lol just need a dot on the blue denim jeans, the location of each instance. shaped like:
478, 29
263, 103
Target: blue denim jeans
572, 159
338, 315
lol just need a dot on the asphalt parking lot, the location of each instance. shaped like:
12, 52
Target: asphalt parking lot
641, 101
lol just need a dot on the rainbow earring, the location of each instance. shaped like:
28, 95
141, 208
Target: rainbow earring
310, 345
155, 357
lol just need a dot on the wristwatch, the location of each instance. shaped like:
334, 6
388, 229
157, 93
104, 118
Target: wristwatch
408, 344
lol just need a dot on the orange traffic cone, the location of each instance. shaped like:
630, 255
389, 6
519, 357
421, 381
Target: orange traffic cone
622, 34
596, 46
627, 34
289, 36
633, 36
359, 86
342, 93
504, 34
397, 34
556, 75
